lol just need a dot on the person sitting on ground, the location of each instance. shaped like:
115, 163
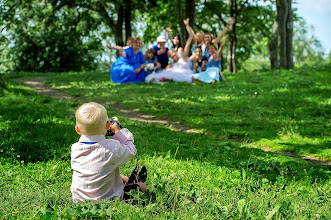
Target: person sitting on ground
161, 51
199, 61
95, 160
150, 61
176, 42
180, 70
213, 70
129, 67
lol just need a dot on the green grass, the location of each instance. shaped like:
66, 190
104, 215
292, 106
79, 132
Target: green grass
280, 110
191, 176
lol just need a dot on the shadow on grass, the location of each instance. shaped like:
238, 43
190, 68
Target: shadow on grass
248, 107
310, 148
34, 128
160, 141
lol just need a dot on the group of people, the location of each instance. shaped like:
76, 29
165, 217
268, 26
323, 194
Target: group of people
160, 64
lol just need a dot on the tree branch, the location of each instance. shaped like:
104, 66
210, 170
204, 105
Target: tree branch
218, 15
241, 7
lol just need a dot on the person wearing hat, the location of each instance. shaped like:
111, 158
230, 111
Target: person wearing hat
161, 51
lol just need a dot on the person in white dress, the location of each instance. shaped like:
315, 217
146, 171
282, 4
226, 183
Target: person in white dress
180, 70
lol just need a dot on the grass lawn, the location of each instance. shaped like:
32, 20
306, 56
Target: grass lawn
280, 110
191, 176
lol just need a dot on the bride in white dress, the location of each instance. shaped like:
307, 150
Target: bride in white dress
180, 70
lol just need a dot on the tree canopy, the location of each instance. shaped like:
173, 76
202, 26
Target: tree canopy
64, 35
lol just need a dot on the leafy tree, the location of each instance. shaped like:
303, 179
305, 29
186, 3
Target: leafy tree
307, 49
44, 39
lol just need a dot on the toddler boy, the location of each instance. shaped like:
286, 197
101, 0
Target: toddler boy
95, 160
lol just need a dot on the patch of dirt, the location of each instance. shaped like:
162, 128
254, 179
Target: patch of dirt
40, 87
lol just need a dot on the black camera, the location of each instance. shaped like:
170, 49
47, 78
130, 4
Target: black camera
109, 131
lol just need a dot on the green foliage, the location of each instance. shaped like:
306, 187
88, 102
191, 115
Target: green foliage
190, 176
158, 16
307, 49
42, 38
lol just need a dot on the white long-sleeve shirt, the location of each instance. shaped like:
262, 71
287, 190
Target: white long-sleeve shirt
96, 163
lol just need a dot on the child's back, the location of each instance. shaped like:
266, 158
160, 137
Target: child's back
95, 160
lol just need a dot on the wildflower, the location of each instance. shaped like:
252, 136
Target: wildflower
199, 200
18, 156
54, 167
22, 161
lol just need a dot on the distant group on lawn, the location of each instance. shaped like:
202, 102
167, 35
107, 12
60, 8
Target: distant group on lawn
155, 66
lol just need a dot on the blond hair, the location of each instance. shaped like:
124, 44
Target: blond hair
91, 118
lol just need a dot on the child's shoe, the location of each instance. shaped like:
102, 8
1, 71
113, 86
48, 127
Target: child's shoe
142, 175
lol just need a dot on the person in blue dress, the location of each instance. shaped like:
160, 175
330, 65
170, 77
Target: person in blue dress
129, 66
213, 67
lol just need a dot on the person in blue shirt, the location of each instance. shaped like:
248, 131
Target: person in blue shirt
161, 51
151, 63
129, 66
213, 70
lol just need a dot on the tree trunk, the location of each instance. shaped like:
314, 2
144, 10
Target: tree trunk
2, 83
283, 29
283, 12
232, 44
190, 11
273, 46
289, 36
182, 28
118, 31
127, 19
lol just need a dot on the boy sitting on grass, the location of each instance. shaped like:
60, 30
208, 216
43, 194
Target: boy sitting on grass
95, 160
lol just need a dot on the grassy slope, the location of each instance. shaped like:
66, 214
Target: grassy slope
281, 110
190, 176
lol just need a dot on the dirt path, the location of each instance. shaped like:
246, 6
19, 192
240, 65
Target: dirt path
40, 87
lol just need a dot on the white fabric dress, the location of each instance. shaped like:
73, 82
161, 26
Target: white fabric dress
179, 72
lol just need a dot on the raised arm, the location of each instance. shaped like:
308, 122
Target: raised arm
219, 52
189, 40
168, 30
119, 48
232, 20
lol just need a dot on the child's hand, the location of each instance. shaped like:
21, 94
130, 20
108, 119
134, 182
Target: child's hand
168, 29
115, 127
161, 50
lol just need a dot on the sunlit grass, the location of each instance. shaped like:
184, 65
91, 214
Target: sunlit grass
190, 176
247, 106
